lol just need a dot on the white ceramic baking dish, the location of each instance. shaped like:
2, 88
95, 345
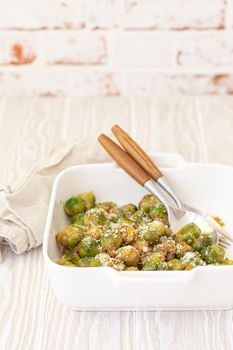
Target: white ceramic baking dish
208, 187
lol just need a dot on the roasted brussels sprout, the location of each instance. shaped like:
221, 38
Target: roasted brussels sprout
123, 219
64, 262
175, 264
78, 219
89, 199
128, 209
227, 262
74, 205
94, 231
88, 247
129, 255
95, 216
111, 239
70, 236
88, 262
155, 262
142, 246
182, 248
189, 233
168, 248
202, 242
107, 206
147, 202
105, 260
140, 216
70, 259
159, 212
152, 231
192, 257
213, 254
131, 268
127, 231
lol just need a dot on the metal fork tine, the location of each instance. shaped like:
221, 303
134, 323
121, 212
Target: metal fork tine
225, 235
223, 243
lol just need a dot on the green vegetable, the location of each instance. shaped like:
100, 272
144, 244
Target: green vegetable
140, 216
159, 212
128, 209
129, 255
147, 202
155, 262
89, 199
111, 239
70, 236
175, 264
106, 205
88, 262
70, 259
131, 268
74, 205
95, 216
202, 242
127, 231
153, 231
94, 231
189, 233
78, 219
213, 254
88, 247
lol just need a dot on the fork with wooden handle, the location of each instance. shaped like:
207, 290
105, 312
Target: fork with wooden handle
177, 217
140, 156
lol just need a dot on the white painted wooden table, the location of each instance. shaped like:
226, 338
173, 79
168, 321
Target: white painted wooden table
201, 129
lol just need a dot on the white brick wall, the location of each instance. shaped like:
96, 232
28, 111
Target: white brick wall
116, 47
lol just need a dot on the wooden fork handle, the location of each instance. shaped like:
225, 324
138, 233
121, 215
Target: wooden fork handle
137, 153
124, 160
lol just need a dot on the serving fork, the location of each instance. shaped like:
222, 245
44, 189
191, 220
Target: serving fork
139, 166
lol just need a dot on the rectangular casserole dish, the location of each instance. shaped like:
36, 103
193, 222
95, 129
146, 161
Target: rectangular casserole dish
208, 187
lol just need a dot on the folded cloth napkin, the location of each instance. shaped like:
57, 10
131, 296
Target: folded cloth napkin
23, 211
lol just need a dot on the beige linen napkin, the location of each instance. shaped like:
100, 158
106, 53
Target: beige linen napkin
23, 211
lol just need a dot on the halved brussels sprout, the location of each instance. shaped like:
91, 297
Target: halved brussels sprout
189, 233
78, 219
155, 262
147, 202
95, 216
175, 264
111, 239
88, 262
129, 255
213, 254
89, 199
131, 268
107, 206
94, 231
182, 248
128, 209
140, 216
105, 260
88, 247
127, 231
70, 259
202, 242
192, 257
70, 236
159, 212
152, 231
74, 205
